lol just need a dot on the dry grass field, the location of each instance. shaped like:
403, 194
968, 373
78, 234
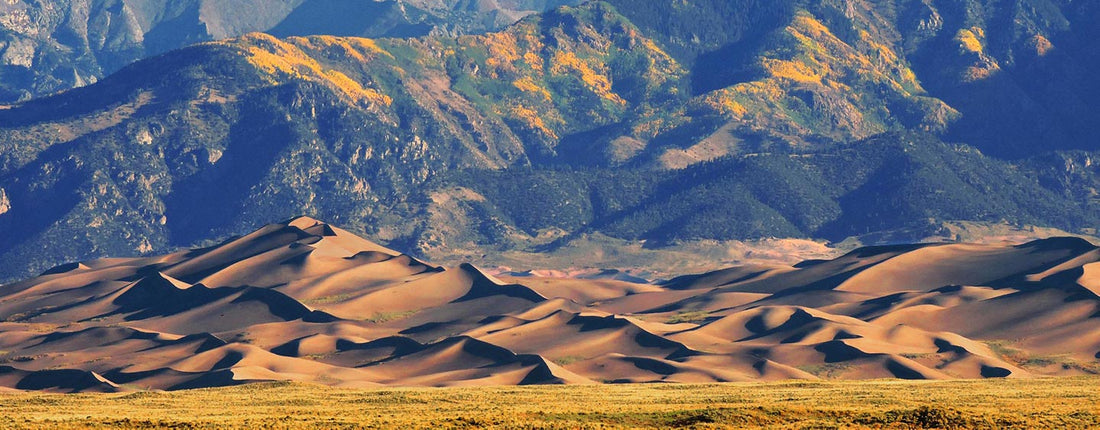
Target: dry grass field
1000, 403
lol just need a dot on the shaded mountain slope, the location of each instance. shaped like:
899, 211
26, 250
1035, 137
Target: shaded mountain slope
435, 143
52, 46
1010, 74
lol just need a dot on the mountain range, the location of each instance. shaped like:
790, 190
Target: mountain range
646, 121
49, 46
306, 301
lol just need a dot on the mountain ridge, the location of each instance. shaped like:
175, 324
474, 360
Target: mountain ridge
47, 47
422, 142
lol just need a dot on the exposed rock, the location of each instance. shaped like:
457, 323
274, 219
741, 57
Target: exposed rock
5, 203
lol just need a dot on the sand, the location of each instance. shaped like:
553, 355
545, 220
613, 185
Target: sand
305, 301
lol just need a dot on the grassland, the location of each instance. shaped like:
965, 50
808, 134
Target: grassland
1023, 403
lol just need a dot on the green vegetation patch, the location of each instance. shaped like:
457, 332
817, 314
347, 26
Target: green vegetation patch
384, 317
688, 317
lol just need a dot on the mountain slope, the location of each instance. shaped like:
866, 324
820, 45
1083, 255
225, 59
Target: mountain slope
47, 47
1012, 73
345, 124
570, 122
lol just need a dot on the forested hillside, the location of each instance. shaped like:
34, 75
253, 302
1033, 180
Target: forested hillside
50, 46
662, 121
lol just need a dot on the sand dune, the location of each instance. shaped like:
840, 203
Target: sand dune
306, 301
65, 380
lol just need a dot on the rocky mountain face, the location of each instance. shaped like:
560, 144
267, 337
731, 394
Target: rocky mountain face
49, 46
1005, 76
661, 121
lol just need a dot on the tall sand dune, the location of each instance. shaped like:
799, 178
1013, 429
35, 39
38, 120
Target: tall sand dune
306, 301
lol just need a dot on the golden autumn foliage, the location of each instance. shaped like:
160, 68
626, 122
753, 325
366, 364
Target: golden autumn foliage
514, 74
1042, 45
357, 48
502, 48
808, 78
968, 41
599, 83
664, 64
823, 55
724, 101
533, 61
532, 119
976, 73
836, 71
527, 85
795, 71
284, 60
972, 44
354, 89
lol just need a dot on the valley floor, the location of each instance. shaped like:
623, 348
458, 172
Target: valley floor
992, 403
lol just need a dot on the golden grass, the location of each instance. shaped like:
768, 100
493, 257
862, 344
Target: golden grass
1024, 403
